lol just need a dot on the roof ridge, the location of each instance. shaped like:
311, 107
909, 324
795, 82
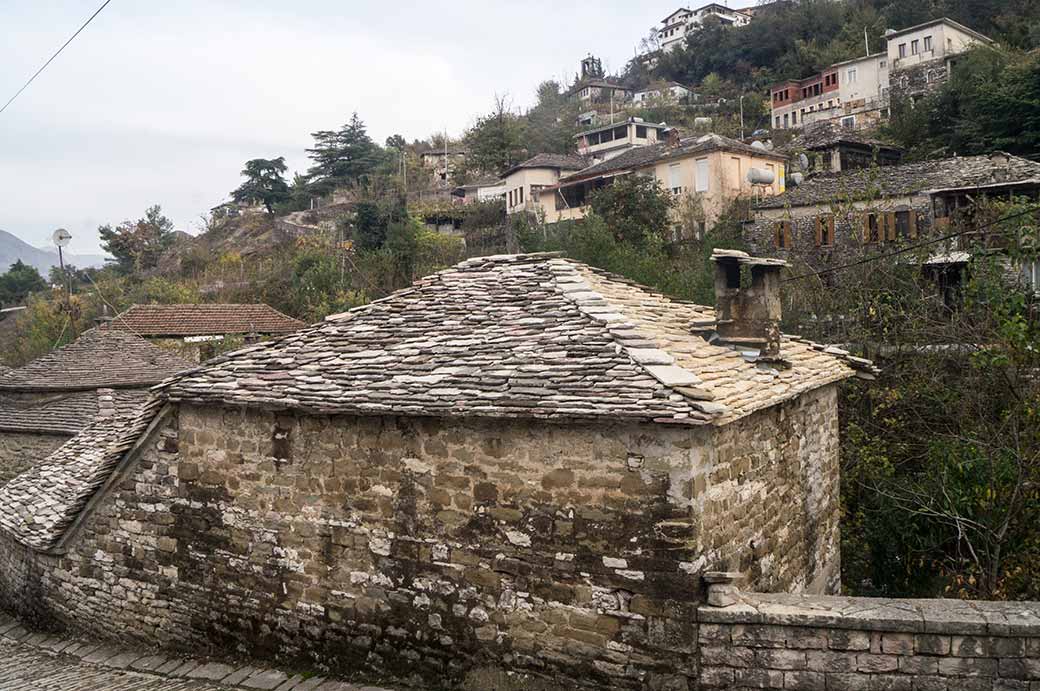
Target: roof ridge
642, 349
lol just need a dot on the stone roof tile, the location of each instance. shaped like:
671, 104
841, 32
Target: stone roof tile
100, 358
530, 336
966, 172
38, 506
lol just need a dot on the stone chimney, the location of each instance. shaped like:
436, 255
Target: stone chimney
747, 302
103, 318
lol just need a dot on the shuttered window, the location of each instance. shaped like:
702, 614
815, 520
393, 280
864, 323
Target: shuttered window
783, 235
825, 231
701, 183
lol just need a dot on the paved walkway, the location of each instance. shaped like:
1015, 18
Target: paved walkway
37, 662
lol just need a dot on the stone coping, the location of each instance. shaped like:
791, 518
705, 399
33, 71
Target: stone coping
220, 673
880, 614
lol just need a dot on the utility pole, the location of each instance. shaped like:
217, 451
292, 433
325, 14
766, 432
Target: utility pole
866, 39
742, 117
447, 165
61, 239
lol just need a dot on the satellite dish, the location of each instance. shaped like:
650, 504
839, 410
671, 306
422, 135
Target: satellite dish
803, 162
797, 179
61, 237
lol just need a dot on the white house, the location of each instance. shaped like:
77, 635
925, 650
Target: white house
675, 26
669, 91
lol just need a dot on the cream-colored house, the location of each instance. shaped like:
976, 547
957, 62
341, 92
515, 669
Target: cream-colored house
521, 182
608, 141
710, 171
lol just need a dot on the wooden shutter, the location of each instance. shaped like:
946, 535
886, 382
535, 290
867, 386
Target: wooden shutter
819, 231
788, 235
864, 221
830, 230
912, 224
890, 227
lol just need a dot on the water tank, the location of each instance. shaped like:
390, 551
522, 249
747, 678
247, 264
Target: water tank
702, 122
797, 179
803, 162
760, 176
758, 145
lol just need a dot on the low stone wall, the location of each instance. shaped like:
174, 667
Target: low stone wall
19, 451
843, 643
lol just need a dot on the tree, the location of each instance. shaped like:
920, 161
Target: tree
634, 208
137, 245
265, 183
549, 125
496, 141
20, 281
396, 142
342, 158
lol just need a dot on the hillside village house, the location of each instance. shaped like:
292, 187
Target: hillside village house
193, 329
52, 399
666, 91
521, 460
594, 87
480, 191
543, 170
440, 162
711, 171
832, 148
858, 93
675, 26
607, 141
834, 217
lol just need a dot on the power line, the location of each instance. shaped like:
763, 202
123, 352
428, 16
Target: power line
911, 248
64, 45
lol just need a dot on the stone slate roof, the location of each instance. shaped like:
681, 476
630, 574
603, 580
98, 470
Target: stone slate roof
560, 161
100, 358
38, 506
906, 179
521, 336
60, 413
642, 156
203, 320
825, 135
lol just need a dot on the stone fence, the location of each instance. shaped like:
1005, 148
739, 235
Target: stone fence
847, 643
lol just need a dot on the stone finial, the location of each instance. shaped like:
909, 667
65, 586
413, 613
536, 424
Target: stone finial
748, 311
723, 589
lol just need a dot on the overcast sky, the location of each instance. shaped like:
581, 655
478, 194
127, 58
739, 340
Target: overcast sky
162, 102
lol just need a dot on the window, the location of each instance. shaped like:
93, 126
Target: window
735, 172
675, 178
782, 235
849, 122
883, 64
521, 195
915, 47
927, 43
778, 122
786, 120
872, 228
641, 132
701, 183
851, 75
902, 50
825, 231
620, 133
794, 118
510, 197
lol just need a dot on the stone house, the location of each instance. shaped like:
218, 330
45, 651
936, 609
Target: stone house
54, 398
832, 148
193, 329
519, 461
833, 218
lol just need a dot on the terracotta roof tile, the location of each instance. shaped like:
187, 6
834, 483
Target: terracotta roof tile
204, 320
98, 359
531, 336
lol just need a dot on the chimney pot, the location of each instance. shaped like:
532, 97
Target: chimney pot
748, 308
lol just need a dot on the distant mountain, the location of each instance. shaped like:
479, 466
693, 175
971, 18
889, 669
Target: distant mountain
12, 249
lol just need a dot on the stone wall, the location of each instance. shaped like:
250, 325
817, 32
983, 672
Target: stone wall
432, 546
848, 244
919, 80
818, 643
19, 451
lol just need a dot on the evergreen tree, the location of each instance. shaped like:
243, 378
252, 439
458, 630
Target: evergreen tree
19, 282
342, 158
496, 142
137, 245
265, 183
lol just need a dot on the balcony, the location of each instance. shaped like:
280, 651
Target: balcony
911, 60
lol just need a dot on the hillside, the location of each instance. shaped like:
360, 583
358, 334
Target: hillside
12, 249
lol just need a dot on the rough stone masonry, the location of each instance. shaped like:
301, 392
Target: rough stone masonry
520, 462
